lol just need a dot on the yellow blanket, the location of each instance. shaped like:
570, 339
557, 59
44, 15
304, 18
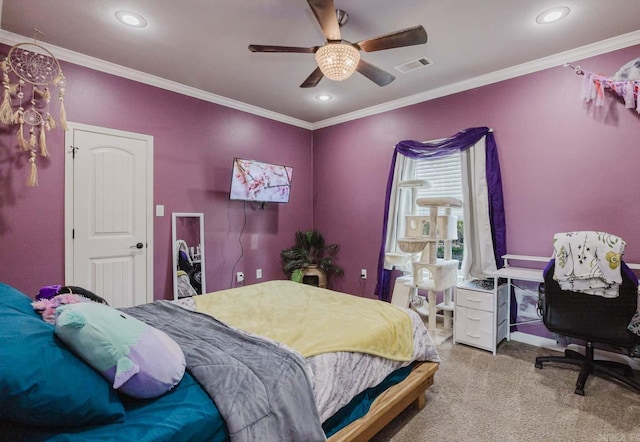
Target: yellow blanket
312, 320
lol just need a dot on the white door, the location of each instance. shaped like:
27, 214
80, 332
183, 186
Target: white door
108, 217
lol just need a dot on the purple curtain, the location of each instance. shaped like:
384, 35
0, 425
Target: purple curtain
459, 142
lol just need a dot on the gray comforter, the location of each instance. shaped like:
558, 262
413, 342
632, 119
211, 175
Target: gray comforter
261, 389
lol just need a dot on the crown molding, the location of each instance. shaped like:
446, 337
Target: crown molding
97, 64
592, 50
602, 47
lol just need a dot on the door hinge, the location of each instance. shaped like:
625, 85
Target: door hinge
74, 149
73, 233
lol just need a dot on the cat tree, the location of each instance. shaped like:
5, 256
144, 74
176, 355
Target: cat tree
423, 235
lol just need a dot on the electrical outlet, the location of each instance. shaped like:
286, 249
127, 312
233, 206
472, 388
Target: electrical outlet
363, 273
258, 273
240, 277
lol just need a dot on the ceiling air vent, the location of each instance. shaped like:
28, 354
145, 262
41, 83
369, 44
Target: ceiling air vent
413, 65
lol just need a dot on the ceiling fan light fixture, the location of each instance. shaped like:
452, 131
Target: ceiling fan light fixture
337, 61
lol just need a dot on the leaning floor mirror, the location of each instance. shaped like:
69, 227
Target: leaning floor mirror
188, 254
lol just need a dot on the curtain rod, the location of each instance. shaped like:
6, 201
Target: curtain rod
578, 70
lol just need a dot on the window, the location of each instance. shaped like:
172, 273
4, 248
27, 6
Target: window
445, 176
481, 191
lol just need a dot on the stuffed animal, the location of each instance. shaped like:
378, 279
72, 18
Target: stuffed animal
629, 72
50, 297
48, 307
49, 291
139, 360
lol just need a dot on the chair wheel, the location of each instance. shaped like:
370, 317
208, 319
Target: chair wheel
538, 364
579, 391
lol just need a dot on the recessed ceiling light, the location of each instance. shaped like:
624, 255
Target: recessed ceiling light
323, 97
131, 19
552, 15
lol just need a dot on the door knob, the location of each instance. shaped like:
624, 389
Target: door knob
137, 246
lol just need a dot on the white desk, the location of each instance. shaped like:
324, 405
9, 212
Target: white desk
518, 273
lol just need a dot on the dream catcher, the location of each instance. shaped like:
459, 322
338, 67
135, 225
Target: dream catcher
26, 99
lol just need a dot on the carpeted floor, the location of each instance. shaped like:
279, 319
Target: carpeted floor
480, 397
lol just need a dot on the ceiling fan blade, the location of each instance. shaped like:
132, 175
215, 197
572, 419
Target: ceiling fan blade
313, 79
407, 37
325, 13
271, 48
375, 74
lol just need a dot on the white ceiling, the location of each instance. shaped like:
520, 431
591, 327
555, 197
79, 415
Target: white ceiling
202, 45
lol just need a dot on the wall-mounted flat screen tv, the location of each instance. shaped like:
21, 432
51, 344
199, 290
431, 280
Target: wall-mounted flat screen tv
262, 182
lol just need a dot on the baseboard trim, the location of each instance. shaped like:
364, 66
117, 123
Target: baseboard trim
537, 341
551, 344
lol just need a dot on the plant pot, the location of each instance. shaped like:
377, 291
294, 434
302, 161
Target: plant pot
315, 276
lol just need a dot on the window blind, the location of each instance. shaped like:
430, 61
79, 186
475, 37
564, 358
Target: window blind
445, 176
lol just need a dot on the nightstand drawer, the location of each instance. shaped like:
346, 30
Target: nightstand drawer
503, 293
474, 327
475, 299
502, 331
503, 312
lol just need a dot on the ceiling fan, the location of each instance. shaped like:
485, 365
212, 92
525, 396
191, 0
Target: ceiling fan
338, 59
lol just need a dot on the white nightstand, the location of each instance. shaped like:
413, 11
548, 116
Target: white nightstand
481, 314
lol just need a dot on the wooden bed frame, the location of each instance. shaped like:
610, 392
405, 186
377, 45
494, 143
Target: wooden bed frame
390, 404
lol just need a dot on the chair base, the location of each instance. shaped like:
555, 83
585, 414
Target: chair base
588, 365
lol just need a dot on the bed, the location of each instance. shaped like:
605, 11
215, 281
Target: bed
318, 391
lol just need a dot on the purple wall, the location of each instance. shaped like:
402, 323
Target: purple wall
563, 168
194, 146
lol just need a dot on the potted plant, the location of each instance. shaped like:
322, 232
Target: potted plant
310, 256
